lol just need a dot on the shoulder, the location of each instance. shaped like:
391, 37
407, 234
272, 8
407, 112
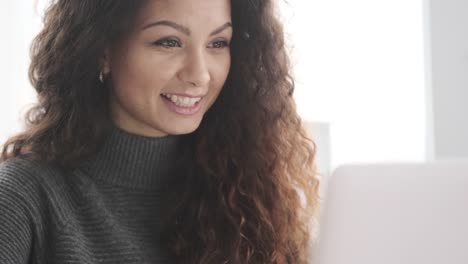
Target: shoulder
17, 177
21, 209
22, 182
17, 214
24, 176
33, 185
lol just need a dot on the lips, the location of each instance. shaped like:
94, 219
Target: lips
183, 107
182, 101
184, 95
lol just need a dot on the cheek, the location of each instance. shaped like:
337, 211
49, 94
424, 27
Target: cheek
220, 75
221, 72
140, 78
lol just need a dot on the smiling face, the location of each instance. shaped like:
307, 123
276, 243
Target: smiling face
171, 68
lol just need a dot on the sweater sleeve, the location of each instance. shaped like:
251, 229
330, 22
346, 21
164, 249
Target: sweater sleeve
15, 220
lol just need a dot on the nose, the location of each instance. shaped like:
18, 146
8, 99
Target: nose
195, 69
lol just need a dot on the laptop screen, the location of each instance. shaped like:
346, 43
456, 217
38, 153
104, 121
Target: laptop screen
395, 213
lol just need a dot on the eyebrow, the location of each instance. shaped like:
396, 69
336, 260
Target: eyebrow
184, 29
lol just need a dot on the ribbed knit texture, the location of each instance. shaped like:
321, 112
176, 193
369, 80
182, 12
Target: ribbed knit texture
106, 211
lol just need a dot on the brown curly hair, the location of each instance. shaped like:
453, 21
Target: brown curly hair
256, 190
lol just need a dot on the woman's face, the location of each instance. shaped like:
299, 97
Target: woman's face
171, 68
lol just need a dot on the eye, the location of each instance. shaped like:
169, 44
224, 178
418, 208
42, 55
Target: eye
220, 44
168, 43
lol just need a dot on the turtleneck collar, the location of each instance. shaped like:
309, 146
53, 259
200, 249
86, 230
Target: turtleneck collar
135, 161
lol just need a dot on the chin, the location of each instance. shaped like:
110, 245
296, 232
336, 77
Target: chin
181, 130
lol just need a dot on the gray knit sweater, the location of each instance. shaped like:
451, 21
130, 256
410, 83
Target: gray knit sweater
106, 211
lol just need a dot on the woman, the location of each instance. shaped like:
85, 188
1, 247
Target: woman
165, 132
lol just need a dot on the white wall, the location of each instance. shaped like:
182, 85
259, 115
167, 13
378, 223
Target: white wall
447, 32
18, 22
320, 133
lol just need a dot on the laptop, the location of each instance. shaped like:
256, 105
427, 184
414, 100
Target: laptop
412, 213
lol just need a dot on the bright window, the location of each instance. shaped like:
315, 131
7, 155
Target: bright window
359, 66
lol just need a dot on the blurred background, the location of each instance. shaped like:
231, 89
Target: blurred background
376, 80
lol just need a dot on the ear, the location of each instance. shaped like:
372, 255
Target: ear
104, 62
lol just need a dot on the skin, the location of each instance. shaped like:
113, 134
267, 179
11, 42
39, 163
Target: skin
148, 64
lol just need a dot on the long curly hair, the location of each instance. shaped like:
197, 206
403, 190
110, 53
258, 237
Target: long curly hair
254, 198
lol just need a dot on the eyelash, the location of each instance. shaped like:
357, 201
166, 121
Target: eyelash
161, 43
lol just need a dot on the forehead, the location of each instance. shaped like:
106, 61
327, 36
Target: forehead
187, 11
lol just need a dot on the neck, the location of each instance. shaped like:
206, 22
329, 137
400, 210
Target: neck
135, 161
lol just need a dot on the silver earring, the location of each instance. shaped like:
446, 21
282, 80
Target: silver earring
101, 77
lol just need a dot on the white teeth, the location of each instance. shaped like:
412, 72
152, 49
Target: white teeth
182, 101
